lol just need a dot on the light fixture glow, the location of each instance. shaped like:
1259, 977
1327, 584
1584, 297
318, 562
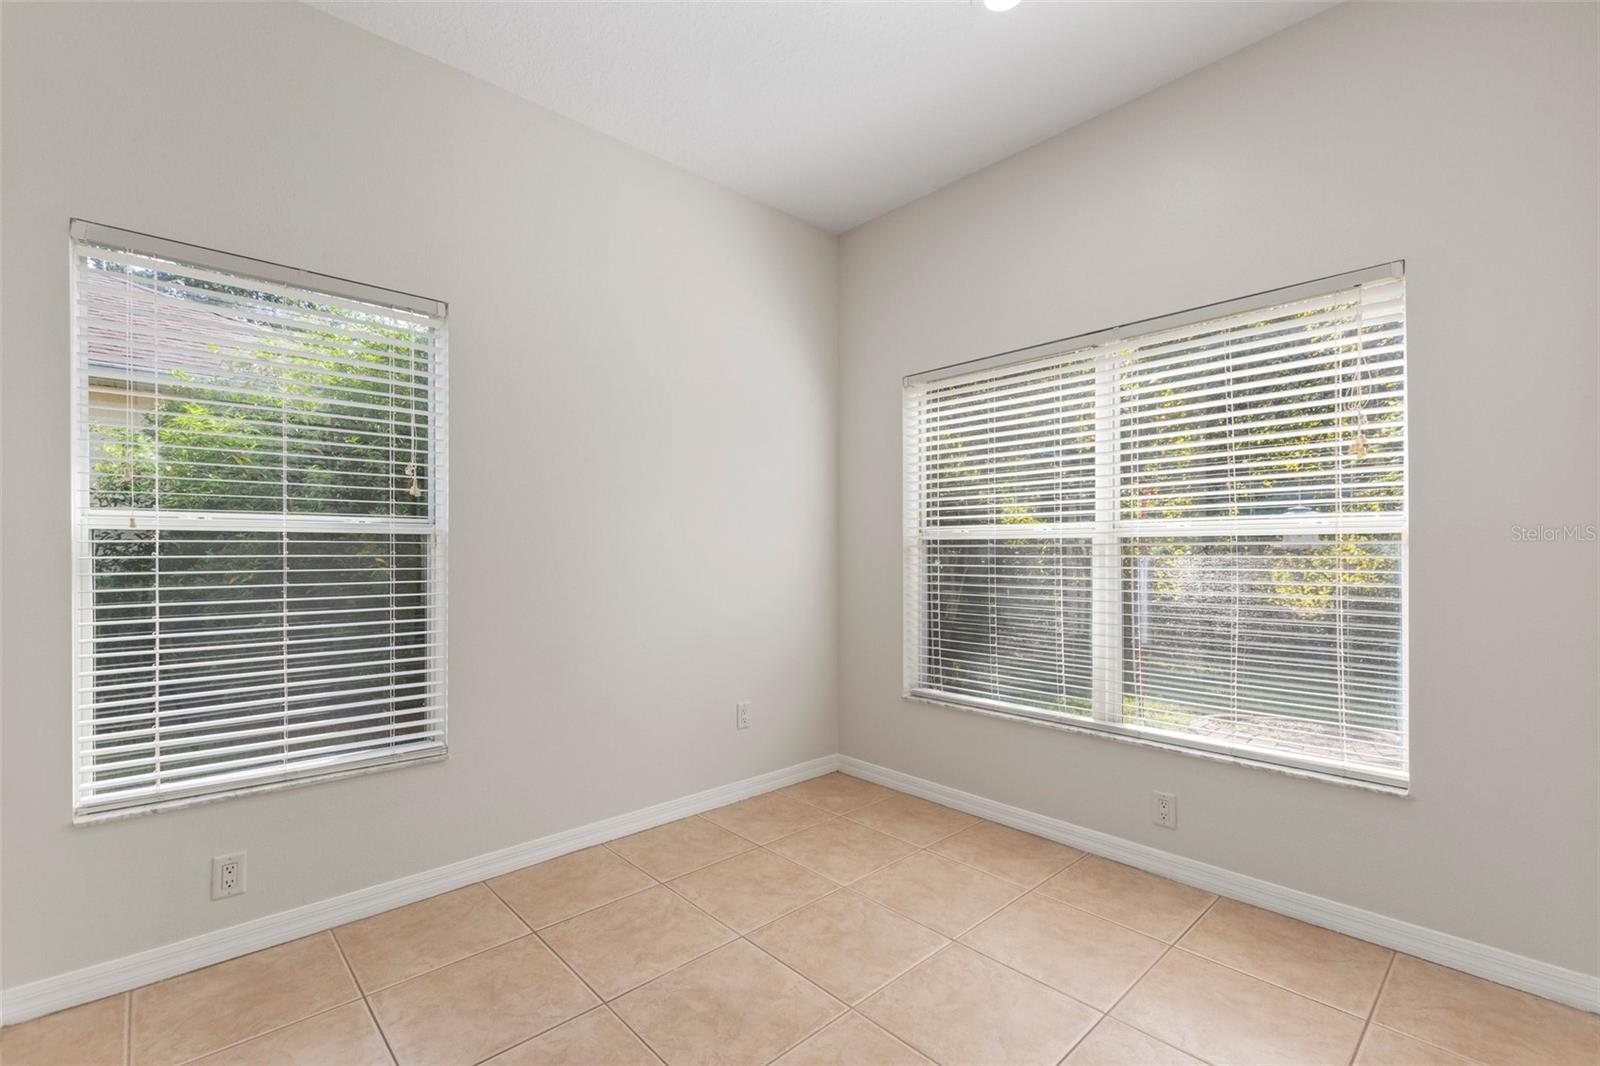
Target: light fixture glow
1001, 5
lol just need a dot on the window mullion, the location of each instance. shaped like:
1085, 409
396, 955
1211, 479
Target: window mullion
1106, 555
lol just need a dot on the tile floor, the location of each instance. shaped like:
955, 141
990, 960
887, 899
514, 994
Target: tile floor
833, 921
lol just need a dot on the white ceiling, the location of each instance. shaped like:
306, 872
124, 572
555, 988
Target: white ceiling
835, 112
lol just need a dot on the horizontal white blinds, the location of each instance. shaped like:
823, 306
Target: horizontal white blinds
1195, 533
259, 526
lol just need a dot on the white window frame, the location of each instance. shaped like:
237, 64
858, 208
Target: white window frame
1105, 535
86, 520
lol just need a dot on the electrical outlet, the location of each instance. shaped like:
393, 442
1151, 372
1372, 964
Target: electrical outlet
227, 875
1166, 813
741, 715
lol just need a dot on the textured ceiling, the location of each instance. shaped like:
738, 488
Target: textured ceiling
834, 112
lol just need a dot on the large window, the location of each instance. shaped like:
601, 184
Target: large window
1191, 530
259, 523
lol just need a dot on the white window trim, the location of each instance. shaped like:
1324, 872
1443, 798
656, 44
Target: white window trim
1106, 531
85, 521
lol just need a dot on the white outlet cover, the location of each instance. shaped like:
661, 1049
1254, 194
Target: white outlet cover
222, 885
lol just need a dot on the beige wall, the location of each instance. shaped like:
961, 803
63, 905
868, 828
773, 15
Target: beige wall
1461, 138
642, 454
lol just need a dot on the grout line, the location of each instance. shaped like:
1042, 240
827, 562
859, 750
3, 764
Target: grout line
393, 1058
829, 1024
1426, 1043
359, 996
609, 1009
577, 914
630, 862
1123, 925
600, 1005
582, 980
738, 936
338, 946
1166, 950
274, 1029
833, 890
750, 846
451, 962
901, 973
830, 877
735, 936
826, 1022
1268, 981
1023, 973
447, 965
1367, 1027
884, 1029
556, 1025
925, 1052
1394, 957
127, 1029
1025, 889
498, 899
1215, 899
1394, 960
597, 906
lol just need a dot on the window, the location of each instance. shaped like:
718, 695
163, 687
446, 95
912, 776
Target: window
258, 521
1190, 531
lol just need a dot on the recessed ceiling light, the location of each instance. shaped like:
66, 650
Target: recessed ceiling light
1001, 5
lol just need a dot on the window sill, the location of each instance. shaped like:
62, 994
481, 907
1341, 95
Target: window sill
119, 814
1048, 721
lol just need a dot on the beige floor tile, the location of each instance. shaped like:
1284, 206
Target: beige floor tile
940, 893
1222, 1015
562, 887
628, 942
94, 1034
1086, 957
842, 850
752, 888
595, 1039
469, 1010
671, 850
1021, 858
1152, 905
960, 1007
766, 818
735, 1005
1339, 970
837, 793
911, 819
1385, 1047
206, 1010
1114, 1044
1483, 1020
345, 1035
848, 944
392, 946
853, 1041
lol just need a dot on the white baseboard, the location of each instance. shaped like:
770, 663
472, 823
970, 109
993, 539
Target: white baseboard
131, 971
1571, 987
119, 975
